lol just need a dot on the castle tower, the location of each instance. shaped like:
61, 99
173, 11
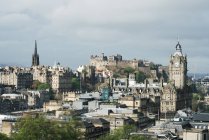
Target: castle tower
35, 57
178, 68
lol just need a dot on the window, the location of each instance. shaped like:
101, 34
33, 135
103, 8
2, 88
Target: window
204, 137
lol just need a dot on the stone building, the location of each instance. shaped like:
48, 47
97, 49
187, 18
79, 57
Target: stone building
101, 62
86, 73
196, 134
18, 77
41, 74
52, 105
12, 102
159, 96
57, 76
176, 94
61, 79
36, 98
118, 117
178, 68
8, 126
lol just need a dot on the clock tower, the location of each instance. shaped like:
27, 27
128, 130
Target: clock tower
178, 68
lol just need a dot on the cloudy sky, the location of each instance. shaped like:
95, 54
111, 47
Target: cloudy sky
69, 31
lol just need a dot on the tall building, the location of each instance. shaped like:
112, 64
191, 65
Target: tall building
57, 76
176, 94
35, 58
178, 68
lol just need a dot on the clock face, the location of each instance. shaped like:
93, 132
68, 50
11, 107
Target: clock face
177, 64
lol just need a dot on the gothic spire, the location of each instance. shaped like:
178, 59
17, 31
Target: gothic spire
35, 57
35, 51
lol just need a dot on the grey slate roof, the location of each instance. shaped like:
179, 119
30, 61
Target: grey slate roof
201, 117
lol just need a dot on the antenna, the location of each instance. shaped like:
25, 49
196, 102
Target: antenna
178, 38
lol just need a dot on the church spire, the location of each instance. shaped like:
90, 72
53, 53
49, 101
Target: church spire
35, 57
35, 51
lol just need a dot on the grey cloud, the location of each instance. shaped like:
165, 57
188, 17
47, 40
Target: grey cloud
71, 30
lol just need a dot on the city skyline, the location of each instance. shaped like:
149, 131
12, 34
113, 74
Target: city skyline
70, 31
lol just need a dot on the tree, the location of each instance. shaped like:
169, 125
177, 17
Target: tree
138, 137
196, 104
43, 86
128, 70
39, 128
124, 133
140, 76
75, 83
4, 137
72, 130
116, 75
152, 66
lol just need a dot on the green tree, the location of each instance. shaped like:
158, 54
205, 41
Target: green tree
197, 105
123, 133
153, 66
75, 83
39, 128
4, 137
72, 130
138, 137
140, 76
43, 86
116, 75
128, 70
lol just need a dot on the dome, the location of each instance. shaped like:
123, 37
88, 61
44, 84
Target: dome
178, 50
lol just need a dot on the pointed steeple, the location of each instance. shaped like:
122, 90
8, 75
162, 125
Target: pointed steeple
35, 51
35, 57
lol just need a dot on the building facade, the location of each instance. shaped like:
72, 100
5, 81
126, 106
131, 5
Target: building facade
178, 68
176, 94
21, 78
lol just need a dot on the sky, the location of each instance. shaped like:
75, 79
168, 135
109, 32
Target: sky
70, 31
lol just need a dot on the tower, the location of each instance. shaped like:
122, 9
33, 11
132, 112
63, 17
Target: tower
178, 68
35, 57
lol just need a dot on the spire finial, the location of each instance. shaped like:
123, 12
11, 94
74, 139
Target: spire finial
35, 51
178, 46
178, 38
35, 57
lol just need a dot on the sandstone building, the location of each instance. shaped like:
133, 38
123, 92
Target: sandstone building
176, 94
101, 62
21, 78
57, 77
155, 96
